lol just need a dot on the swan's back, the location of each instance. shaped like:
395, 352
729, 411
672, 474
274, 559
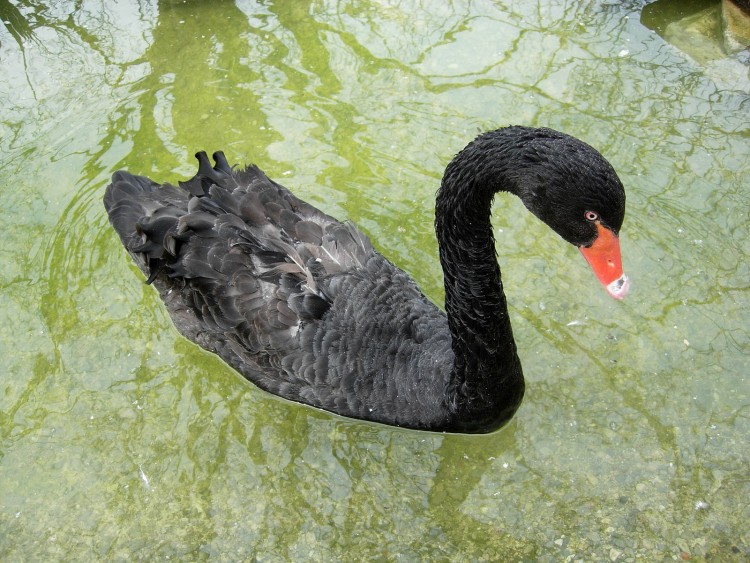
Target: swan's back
298, 302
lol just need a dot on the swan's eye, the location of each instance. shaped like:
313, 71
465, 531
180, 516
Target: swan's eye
591, 216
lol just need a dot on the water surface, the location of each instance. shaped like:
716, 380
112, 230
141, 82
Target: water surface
121, 440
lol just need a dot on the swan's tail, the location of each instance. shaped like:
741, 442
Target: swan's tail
146, 215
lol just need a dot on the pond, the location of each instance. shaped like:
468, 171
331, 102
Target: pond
121, 440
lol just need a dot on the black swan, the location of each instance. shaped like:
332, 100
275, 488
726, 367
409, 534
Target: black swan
304, 307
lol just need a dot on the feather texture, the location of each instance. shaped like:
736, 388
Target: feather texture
284, 293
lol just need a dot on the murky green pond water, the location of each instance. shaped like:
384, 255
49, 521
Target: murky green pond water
119, 440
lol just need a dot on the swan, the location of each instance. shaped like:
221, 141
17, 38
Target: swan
303, 306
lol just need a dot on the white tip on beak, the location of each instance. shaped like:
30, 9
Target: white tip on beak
619, 288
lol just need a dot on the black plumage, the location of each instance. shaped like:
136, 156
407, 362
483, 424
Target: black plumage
303, 306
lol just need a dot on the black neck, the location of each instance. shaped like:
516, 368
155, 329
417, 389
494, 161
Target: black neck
487, 381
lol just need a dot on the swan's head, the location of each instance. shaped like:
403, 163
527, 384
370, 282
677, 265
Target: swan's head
574, 190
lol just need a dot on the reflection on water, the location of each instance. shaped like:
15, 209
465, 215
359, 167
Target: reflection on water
119, 439
713, 33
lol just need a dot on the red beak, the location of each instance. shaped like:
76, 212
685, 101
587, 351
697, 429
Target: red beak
604, 258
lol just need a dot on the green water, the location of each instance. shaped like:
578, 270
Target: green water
119, 440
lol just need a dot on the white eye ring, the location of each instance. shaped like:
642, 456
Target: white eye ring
591, 216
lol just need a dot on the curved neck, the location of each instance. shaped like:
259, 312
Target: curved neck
487, 379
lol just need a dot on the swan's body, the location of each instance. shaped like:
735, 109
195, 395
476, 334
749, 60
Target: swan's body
304, 307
